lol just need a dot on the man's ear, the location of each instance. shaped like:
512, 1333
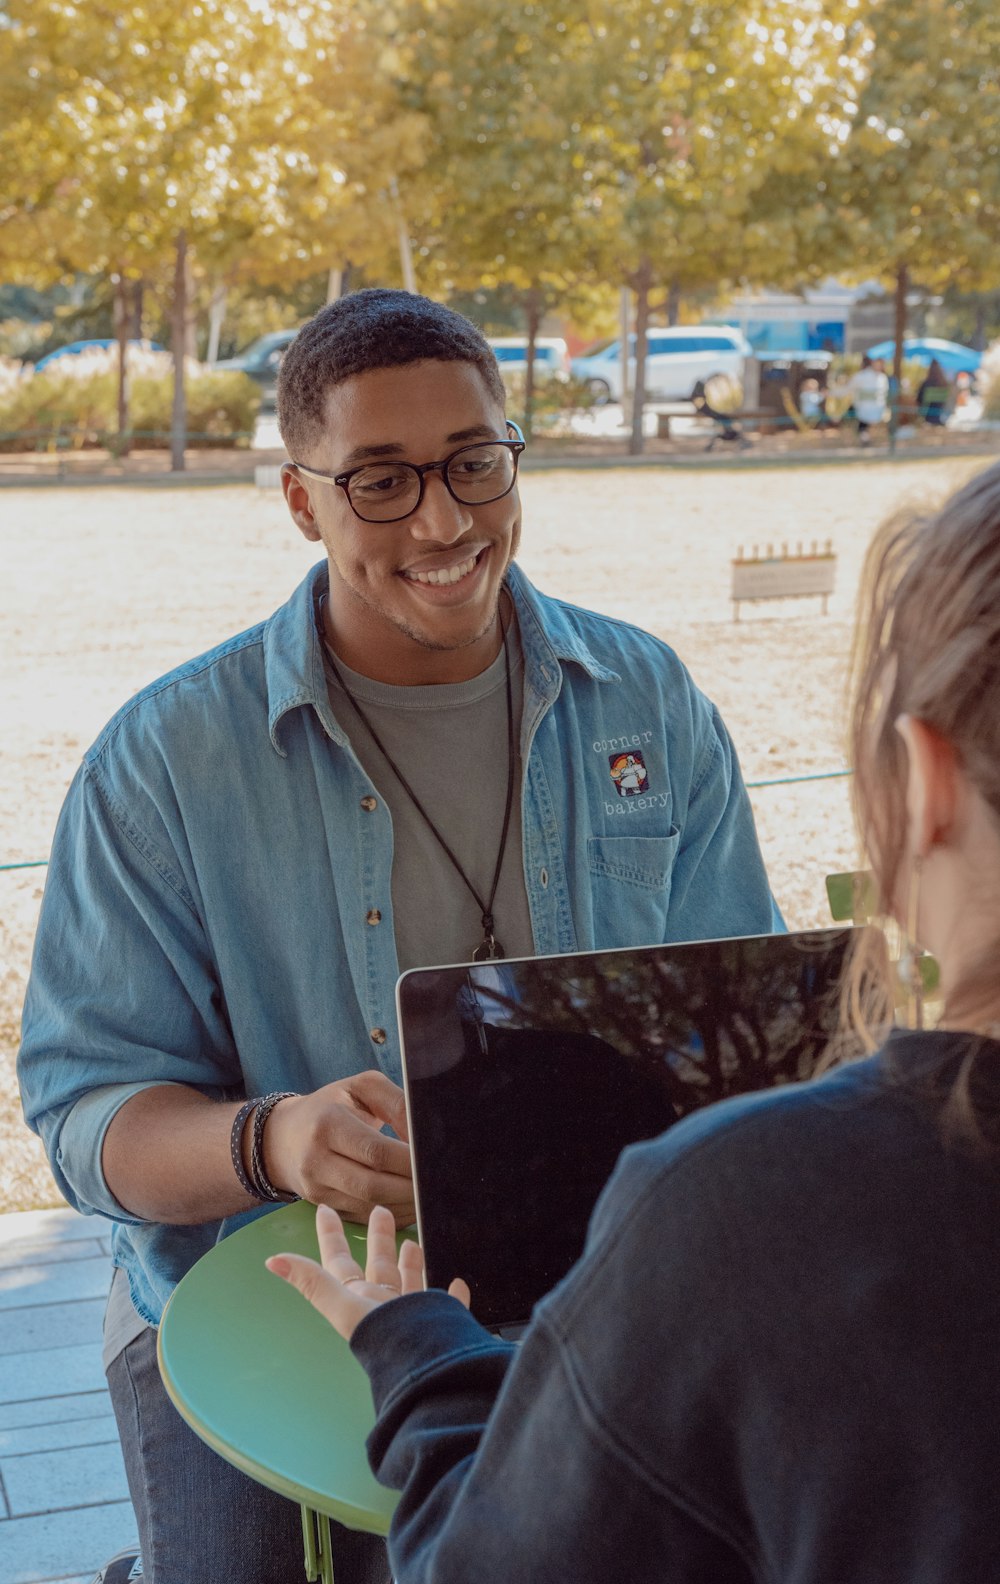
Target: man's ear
298, 502
931, 786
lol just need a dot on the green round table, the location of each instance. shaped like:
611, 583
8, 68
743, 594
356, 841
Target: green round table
270, 1386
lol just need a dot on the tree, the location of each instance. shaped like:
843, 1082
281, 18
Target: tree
699, 107
500, 200
619, 140
223, 133
127, 170
919, 181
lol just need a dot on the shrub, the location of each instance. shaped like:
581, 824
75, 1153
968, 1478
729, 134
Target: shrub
847, 363
839, 399
10, 373
554, 399
221, 408
22, 338
74, 402
39, 409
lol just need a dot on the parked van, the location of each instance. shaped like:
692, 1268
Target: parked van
551, 356
676, 359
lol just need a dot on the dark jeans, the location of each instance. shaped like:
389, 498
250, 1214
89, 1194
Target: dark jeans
200, 1520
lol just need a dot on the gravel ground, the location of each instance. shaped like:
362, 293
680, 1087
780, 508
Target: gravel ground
105, 589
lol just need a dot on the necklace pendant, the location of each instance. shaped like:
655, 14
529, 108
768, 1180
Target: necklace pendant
489, 948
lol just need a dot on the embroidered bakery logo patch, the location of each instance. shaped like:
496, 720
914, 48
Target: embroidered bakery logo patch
628, 772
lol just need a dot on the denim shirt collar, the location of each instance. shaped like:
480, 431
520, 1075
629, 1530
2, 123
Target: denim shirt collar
293, 655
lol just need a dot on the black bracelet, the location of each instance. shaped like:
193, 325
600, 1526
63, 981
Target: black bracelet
236, 1147
263, 1186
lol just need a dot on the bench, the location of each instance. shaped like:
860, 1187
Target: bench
730, 425
784, 576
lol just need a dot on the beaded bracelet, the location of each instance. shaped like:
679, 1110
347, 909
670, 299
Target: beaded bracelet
263, 1186
236, 1147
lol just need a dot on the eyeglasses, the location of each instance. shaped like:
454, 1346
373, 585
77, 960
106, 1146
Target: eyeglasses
386, 492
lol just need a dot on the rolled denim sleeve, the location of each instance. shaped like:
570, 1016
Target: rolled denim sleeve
122, 994
719, 886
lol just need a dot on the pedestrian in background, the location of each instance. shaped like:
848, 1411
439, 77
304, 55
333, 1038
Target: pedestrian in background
933, 395
869, 389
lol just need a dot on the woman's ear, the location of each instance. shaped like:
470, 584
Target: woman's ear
931, 786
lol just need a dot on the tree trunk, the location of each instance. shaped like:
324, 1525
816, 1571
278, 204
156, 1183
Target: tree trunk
403, 235
899, 332
216, 316
178, 338
641, 284
121, 323
533, 310
673, 304
899, 329
137, 295
190, 308
338, 282
624, 335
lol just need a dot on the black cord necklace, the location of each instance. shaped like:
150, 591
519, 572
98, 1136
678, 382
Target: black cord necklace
489, 947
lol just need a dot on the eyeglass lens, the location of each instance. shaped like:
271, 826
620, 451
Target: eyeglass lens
475, 475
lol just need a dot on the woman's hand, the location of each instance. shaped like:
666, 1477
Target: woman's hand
338, 1287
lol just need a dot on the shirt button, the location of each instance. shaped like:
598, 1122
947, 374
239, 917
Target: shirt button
373, 916
543, 875
378, 1036
369, 803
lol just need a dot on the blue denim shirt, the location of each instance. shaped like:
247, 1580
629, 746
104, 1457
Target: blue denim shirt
204, 917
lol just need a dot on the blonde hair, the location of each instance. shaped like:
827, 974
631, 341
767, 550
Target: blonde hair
927, 644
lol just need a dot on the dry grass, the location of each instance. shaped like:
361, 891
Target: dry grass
104, 589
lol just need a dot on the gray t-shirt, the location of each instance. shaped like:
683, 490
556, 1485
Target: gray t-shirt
450, 742
121, 1322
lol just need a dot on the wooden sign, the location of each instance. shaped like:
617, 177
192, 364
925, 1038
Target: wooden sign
783, 575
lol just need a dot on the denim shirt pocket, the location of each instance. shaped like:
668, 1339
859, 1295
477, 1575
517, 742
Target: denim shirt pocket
630, 887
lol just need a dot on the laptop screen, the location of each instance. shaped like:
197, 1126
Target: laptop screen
526, 1078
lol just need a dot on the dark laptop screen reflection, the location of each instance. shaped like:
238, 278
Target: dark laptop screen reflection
526, 1079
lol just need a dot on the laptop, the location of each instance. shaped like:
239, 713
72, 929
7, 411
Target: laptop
525, 1078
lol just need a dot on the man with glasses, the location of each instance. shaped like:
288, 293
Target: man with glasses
412, 762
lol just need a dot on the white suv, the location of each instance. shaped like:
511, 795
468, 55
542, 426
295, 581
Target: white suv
551, 356
676, 359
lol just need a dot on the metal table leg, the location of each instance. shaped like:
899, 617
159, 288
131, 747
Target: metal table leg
316, 1541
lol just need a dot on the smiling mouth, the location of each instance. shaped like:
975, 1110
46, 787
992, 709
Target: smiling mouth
446, 575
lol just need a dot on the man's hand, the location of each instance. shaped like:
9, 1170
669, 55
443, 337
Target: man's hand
328, 1147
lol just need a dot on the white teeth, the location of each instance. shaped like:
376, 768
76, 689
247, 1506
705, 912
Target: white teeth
449, 575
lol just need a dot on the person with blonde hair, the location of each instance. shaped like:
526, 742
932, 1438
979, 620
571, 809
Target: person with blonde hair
777, 1358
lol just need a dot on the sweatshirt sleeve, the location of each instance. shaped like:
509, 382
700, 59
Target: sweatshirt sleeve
508, 1469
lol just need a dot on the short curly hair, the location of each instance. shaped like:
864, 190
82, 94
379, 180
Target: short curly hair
371, 329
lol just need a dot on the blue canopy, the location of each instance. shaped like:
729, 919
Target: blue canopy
953, 358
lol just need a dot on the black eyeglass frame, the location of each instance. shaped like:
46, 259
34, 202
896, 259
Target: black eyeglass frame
343, 480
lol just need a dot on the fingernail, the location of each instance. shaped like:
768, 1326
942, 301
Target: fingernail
279, 1265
